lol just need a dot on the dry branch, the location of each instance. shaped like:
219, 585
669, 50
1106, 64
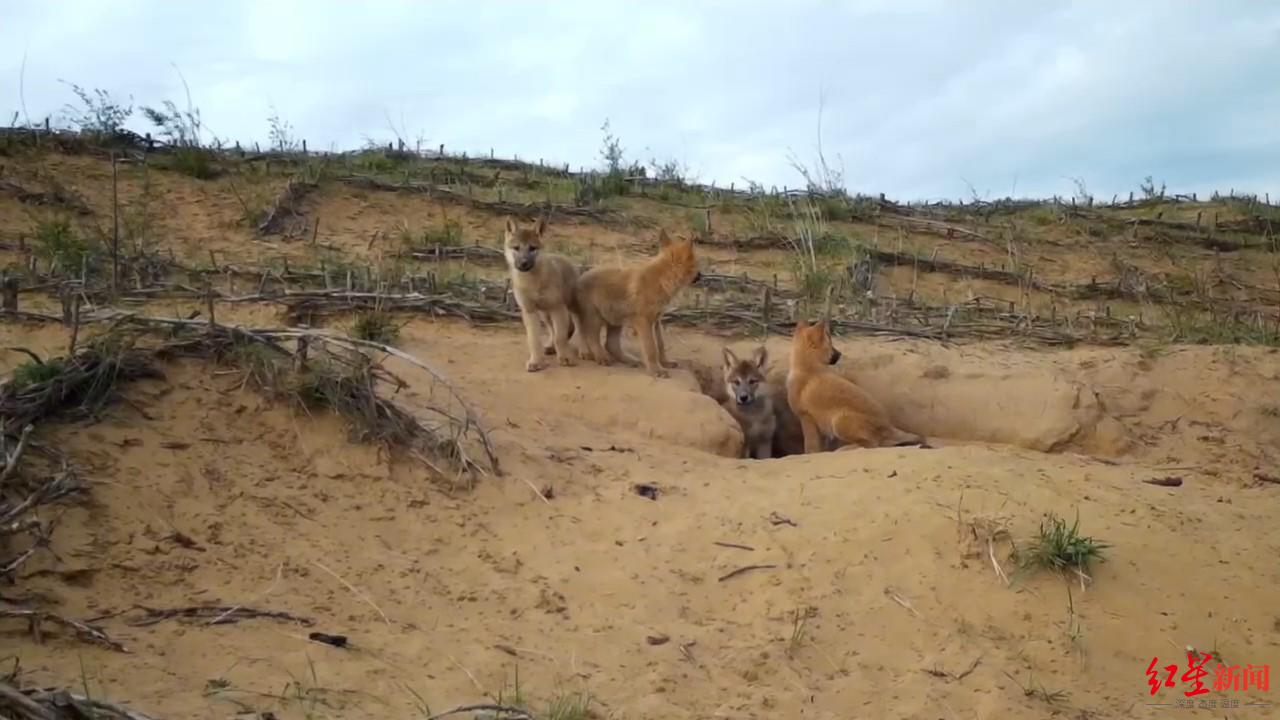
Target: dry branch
38, 704
217, 615
81, 383
341, 375
83, 630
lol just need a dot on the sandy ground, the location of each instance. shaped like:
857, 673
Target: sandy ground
447, 596
877, 600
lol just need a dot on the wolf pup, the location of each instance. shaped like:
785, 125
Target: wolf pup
611, 298
544, 288
828, 405
749, 402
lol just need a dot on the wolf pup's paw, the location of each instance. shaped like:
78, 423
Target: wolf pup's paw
534, 365
660, 373
549, 350
568, 360
670, 364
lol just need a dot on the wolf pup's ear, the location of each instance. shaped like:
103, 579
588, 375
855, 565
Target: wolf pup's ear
663, 239
760, 357
542, 225
511, 226
729, 358
802, 325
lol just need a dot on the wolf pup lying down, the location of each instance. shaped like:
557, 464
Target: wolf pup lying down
544, 288
828, 405
611, 298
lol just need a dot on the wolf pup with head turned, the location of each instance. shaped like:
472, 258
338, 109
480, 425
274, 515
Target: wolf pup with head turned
749, 402
828, 405
543, 284
610, 299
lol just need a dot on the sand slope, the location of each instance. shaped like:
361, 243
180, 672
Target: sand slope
877, 554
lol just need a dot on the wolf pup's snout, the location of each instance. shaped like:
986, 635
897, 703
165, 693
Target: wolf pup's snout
744, 398
835, 357
525, 264
697, 277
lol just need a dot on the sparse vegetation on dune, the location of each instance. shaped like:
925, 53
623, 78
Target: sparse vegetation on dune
135, 255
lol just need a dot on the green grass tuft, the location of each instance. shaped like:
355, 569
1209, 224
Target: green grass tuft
57, 242
1061, 547
33, 373
375, 326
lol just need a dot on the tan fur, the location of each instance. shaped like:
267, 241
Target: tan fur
544, 285
828, 405
749, 401
610, 299
788, 437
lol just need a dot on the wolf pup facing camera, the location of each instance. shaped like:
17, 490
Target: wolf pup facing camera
543, 284
749, 402
828, 405
611, 298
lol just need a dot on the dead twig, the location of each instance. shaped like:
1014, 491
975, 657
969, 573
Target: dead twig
901, 601
509, 712
954, 677
220, 614
744, 569
354, 591
33, 704
83, 630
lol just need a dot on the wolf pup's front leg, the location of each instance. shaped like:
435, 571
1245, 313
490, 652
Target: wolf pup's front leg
812, 438
663, 360
533, 334
649, 347
561, 326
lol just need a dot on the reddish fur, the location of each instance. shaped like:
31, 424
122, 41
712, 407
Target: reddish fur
830, 406
610, 299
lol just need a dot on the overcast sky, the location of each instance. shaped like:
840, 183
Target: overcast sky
919, 99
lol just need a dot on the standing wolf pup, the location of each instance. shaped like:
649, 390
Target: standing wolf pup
749, 402
828, 405
544, 288
610, 299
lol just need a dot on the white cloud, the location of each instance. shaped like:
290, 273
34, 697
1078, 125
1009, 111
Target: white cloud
920, 96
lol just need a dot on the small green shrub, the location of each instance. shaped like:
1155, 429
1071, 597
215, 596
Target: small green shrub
1061, 547
57, 242
195, 162
34, 373
375, 326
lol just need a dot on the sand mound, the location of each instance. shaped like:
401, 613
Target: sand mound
870, 578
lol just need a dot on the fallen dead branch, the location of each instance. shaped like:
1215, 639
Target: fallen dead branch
83, 630
216, 614
499, 712
43, 704
81, 384
329, 370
